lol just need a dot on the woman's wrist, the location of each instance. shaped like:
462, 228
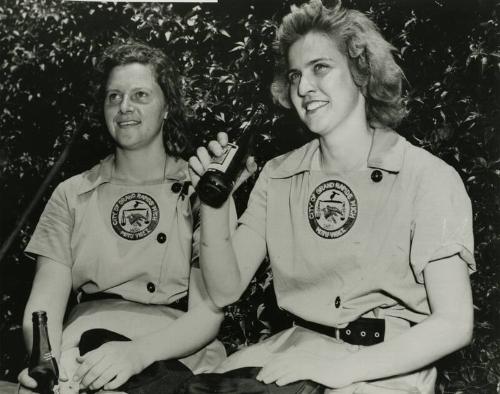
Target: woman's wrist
145, 354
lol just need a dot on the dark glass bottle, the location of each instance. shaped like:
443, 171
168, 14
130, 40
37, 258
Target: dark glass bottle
218, 180
42, 365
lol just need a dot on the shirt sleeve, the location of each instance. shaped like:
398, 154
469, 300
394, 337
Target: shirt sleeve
442, 221
255, 215
51, 237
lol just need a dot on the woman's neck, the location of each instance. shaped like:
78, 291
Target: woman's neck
347, 149
138, 167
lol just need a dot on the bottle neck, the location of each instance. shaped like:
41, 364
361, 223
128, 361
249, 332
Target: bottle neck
41, 343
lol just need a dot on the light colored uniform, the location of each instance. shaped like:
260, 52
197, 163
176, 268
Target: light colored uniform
350, 244
129, 240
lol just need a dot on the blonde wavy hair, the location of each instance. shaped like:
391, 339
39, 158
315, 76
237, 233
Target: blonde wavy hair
370, 57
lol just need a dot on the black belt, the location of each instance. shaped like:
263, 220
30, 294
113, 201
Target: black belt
363, 331
181, 304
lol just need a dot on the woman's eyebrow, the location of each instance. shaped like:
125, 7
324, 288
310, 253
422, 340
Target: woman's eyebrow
311, 62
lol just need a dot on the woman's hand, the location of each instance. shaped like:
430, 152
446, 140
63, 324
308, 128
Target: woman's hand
28, 384
198, 164
109, 366
297, 364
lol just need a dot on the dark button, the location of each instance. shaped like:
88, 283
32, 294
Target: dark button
177, 187
337, 302
151, 287
377, 176
161, 238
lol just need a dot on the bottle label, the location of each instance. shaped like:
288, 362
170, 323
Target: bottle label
47, 356
222, 162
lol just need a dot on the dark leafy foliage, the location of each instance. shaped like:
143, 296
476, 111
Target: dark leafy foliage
448, 49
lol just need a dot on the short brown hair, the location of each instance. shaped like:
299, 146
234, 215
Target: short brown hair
175, 135
369, 55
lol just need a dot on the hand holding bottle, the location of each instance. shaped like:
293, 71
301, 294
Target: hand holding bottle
214, 156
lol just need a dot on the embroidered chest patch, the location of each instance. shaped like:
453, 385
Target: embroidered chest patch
332, 209
135, 216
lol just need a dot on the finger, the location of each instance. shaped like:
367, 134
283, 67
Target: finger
24, 390
63, 375
251, 164
120, 379
90, 369
215, 148
222, 138
273, 370
26, 380
203, 156
195, 166
287, 379
106, 376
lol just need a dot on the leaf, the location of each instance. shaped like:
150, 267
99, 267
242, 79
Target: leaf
224, 33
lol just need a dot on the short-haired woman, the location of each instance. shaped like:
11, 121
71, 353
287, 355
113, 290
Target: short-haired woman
369, 237
121, 236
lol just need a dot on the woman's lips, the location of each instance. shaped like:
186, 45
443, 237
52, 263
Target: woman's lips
312, 106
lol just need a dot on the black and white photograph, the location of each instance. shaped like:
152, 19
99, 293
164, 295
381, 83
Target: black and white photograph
249, 196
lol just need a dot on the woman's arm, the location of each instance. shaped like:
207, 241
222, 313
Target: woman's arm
113, 363
50, 292
447, 329
228, 262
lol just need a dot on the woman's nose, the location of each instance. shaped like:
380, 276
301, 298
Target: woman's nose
305, 85
125, 105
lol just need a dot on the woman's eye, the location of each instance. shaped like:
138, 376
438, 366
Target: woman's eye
113, 97
141, 95
293, 77
318, 67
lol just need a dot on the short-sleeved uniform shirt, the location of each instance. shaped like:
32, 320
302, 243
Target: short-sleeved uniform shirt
346, 243
135, 241
349, 244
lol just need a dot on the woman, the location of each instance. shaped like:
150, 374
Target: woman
369, 237
121, 236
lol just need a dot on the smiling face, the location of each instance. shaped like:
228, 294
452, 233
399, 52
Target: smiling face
322, 90
134, 107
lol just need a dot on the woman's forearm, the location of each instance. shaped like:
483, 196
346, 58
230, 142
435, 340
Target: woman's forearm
50, 292
217, 257
446, 330
184, 336
420, 346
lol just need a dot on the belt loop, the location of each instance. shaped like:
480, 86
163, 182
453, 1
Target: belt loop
337, 333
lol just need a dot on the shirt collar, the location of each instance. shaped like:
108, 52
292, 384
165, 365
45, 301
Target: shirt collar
176, 170
387, 153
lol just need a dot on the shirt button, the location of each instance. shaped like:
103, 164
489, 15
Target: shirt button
151, 287
337, 302
377, 176
176, 187
161, 238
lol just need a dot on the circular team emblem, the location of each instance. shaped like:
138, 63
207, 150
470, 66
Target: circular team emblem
332, 209
134, 216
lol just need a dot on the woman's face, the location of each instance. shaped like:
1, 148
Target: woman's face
321, 87
134, 107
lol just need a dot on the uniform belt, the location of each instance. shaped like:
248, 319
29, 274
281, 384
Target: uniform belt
363, 331
181, 304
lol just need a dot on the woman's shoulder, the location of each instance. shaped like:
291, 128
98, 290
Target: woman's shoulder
292, 162
421, 160
88, 179
425, 167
